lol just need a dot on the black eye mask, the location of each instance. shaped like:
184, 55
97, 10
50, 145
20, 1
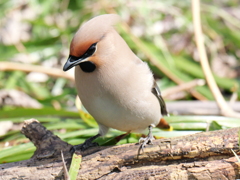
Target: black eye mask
86, 66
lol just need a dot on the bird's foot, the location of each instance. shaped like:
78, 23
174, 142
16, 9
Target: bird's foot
84, 146
147, 140
87, 144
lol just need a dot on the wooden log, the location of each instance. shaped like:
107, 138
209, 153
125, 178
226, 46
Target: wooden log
205, 155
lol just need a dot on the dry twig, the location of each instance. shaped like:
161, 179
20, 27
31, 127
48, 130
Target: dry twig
224, 107
183, 87
11, 66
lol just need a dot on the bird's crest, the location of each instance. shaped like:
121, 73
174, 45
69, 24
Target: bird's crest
91, 32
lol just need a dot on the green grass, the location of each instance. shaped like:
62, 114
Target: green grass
50, 31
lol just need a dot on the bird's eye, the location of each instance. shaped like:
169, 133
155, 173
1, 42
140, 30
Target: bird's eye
91, 50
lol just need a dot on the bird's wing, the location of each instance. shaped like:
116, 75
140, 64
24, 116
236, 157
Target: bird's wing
156, 91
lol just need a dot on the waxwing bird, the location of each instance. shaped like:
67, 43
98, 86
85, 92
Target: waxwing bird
113, 84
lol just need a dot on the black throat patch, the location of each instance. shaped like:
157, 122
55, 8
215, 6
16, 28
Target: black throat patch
87, 66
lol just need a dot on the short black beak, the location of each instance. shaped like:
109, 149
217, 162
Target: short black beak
71, 62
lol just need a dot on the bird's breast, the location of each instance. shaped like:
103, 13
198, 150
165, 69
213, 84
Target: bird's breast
116, 100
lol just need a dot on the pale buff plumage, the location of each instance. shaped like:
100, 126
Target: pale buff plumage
118, 93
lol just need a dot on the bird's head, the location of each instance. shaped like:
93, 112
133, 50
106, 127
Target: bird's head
88, 42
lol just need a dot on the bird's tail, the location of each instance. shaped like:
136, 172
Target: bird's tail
163, 124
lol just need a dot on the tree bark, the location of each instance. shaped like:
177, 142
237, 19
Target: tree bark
204, 155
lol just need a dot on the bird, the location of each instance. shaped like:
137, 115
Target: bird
115, 86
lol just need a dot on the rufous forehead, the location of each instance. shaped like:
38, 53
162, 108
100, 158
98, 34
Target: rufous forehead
78, 49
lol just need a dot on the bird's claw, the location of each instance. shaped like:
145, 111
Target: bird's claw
87, 144
84, 146
144, 141
147, 140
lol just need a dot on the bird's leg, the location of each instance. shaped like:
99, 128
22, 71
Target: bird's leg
147, 140
87, 144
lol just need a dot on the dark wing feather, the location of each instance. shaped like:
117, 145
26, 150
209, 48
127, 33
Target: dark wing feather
156, 91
